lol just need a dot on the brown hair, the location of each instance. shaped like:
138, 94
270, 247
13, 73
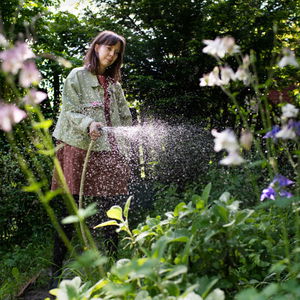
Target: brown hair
91, 61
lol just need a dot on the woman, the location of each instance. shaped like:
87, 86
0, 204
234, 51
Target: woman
92, 98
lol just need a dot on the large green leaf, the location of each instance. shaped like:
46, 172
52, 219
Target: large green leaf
107, 223
115, 212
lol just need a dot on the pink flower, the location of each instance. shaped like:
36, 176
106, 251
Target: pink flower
13, 58
34, 97
29, 74
10, 114
23, 51
10, 61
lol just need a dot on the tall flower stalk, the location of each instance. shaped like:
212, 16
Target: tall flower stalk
223, 75
18, 61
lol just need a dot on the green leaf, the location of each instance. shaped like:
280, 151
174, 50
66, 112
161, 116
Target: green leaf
51, 194
229, 224
179, 207
126, 207
107, 223
177, 270
200, 204
34, 187
222, 212
206, 192
42, 125
15, 272
70, 219
47, 152
208, 286
98, 286
115, 212
143, 235
284, 202
171, 287
88, 211
242, 216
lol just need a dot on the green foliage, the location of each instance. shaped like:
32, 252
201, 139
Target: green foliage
21, 263
21, 213
205, 248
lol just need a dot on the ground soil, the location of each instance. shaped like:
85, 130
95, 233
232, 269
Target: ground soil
39, 294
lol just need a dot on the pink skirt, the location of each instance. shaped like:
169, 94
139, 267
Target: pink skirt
108, 173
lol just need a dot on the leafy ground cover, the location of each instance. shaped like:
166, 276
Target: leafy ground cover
205, 248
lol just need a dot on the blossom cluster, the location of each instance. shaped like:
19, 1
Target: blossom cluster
18, 60
290, 128
227, 140
222, 75
276, 187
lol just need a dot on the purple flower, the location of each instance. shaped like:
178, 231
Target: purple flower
295, 125
278, 182
285, 194
268, 193
282, 181
272, 133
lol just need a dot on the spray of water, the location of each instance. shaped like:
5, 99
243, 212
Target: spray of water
169, 153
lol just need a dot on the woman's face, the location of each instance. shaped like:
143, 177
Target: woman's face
107, 54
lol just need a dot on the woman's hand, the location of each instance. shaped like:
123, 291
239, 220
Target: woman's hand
95, 130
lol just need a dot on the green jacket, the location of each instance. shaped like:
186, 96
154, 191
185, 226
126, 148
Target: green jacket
83, 103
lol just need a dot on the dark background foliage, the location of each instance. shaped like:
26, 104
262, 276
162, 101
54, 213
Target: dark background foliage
161, 72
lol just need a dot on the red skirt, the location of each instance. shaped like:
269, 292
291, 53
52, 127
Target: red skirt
107, 173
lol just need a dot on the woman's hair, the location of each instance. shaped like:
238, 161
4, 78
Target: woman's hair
91, 61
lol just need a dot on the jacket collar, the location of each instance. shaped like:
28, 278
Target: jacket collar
92, 79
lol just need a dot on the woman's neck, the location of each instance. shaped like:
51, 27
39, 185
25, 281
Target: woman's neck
101, 70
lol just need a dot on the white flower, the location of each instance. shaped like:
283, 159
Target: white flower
246, 140
233, 158
288, 59
242, 74
67, 288
211, 79
225, 140
3, 41
227, 74
289, 111
216, 294
190, 296
34, 97
220, 46
286, 132
29, 74
10, 115
246, 61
